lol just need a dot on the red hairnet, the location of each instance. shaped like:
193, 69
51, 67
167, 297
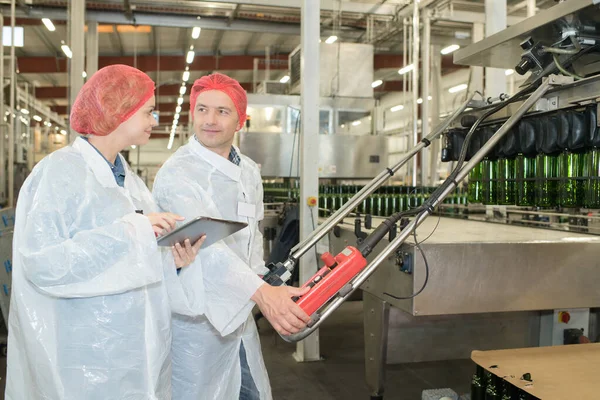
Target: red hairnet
110, 97
224, 84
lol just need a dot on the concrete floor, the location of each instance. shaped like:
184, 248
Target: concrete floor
341, 374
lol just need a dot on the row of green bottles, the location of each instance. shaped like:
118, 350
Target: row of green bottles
566, 180
487, 386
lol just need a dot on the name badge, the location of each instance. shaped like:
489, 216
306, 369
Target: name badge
246, 210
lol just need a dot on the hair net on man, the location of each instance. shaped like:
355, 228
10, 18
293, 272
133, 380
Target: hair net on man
209, 330
90, 315
225, 84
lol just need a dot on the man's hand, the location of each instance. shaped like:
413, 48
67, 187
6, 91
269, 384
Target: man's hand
275, 302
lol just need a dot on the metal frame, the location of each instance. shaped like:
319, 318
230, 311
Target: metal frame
330, 307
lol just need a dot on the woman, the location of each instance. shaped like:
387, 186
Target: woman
90, 314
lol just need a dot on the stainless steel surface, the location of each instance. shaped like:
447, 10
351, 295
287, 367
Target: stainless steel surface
502, 50
479, 267
345, 70
376, 317
6, 236
339, 156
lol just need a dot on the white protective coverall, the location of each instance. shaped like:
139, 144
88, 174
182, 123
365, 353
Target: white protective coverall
89, 313
219, 283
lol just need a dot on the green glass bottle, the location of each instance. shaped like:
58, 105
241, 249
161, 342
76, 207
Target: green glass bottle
478, 384
525, 180
546, 181
330, 200
509, 392
505, 187
489, 178
474, 185
321, 200
493, 391
591, 184
569, 174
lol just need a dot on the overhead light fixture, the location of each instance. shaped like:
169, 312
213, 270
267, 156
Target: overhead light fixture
331, 39
196, 32
84, 74
133, 146
37, 118
178, 109
190, 55
180, 101
63, 132
186, 76
509, 72
66, 50
49, 25
429, 97
419, 101
176, 117
285, 79
356, 123
458, 88
24, 111
406, 69
342, 126
397, 108
376, 83
182, 90
450, 49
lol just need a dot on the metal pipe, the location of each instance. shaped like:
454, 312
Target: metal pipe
268, 61
11, 114
340, 214
415, 84
2, 124
406, 232
426, 174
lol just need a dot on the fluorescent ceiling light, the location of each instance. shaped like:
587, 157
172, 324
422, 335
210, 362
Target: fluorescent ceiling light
285, 79
429, 97
49, 25
450, 49
458, 88
509, 72
376, 83
133, 146
66, 50
84, 74
419, 101
356, 123
180, 101
182, 90
190, 56
196, 32
268, 113
37, 118
62, 131
186, 76
24, 111
178, 109
406, 69
397, 108
331, 39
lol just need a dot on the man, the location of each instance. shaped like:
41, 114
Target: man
216, 349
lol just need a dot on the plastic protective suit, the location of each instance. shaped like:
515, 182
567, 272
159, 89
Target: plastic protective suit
207, 334
89, 313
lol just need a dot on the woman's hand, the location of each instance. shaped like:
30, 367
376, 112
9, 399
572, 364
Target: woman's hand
186, 254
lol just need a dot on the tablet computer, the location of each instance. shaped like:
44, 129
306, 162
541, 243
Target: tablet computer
214, 229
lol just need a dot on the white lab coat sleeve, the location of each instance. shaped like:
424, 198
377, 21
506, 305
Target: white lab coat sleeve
218, 283
105, 260
257, 256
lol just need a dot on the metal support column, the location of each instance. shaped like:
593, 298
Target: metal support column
476, 84
376, 315
2, 124
415, 85
530, 8
91, 51
495, 21
436, 89
11, 115
76, 25
308, 349
426, 173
